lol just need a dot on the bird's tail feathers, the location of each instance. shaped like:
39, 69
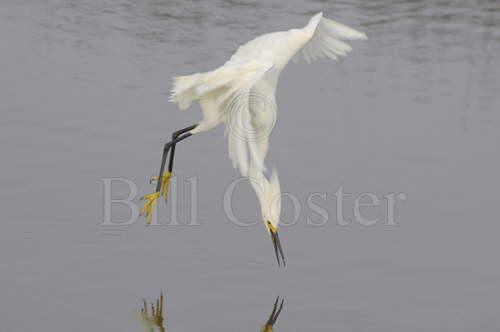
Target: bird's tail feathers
184, 89
188, 88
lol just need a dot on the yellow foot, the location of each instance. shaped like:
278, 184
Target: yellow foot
165, 180
150, 205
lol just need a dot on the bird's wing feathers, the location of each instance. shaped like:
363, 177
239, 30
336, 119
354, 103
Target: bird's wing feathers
327, 40
234, 104
230, 86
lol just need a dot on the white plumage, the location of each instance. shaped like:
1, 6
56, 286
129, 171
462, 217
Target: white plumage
241, 94
269, 195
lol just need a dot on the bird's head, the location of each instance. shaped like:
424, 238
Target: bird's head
269, 194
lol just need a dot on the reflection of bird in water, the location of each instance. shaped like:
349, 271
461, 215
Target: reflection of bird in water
241, 95
268, 327
153, 317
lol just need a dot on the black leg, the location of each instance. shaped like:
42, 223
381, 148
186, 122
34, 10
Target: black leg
166, 148
174, 136
152, 198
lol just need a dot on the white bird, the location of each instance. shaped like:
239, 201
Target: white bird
241, 95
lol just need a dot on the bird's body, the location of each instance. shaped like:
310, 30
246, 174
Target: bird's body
241, 95
225, 94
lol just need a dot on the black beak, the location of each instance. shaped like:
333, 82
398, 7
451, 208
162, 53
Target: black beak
278, 250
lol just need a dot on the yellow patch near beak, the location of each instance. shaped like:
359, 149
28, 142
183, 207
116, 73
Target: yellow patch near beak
271, 228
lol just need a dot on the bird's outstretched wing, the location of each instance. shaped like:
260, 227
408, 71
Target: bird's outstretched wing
326, 40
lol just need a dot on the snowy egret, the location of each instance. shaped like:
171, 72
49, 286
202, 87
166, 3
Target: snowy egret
241, 95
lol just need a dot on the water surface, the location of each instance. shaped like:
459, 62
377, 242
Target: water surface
414, 109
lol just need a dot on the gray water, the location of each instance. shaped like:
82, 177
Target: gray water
414, 110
